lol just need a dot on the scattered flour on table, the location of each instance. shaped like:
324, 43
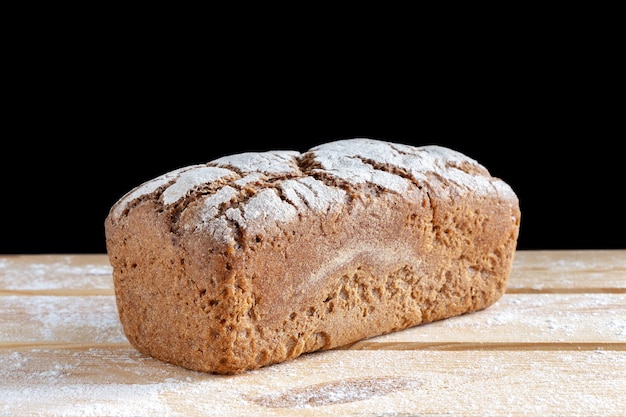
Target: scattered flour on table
35, 276
61, 383
336, 392
66, 319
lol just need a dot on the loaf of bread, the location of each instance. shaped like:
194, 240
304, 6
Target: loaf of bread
259, 257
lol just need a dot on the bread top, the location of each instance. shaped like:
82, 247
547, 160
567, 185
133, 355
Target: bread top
257, 191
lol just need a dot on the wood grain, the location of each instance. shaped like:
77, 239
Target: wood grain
553, 345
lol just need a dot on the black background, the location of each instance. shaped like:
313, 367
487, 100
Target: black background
90, 117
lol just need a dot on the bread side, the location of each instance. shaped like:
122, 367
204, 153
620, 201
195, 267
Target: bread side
256, 258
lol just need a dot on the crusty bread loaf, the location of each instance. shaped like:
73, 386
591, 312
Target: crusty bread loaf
256, 258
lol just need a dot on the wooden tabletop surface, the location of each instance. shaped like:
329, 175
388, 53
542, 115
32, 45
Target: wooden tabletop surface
553, 345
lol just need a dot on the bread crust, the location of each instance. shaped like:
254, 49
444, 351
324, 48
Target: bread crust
257, 258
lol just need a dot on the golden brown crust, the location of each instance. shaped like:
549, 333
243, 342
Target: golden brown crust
258, 258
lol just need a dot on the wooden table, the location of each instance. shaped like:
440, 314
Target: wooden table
554, 344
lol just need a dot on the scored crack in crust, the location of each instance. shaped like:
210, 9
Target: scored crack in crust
256, 258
